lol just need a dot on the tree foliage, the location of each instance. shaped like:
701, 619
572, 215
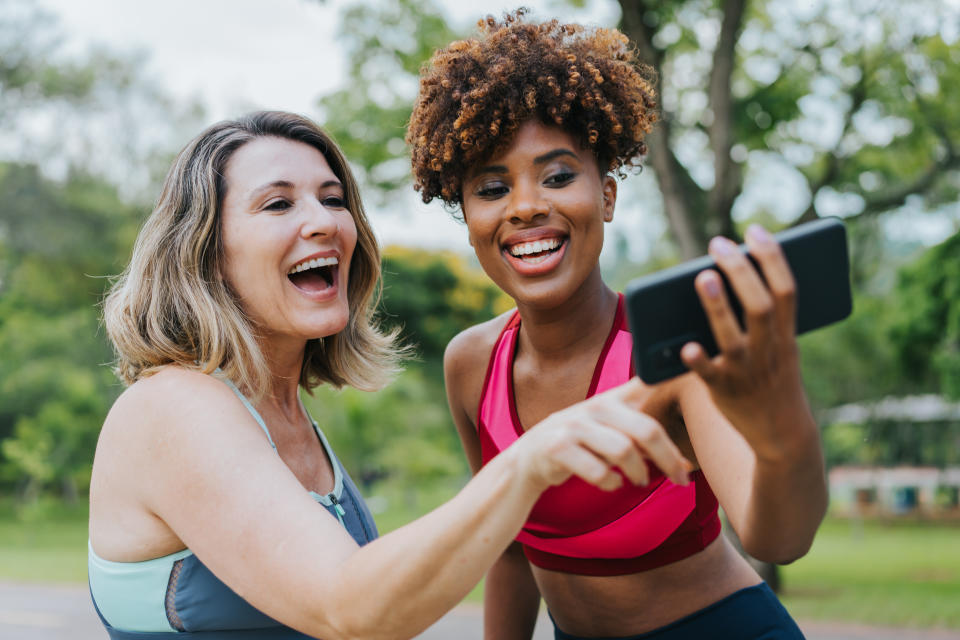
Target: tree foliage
57, 240
926, 321
854, 99
433, 295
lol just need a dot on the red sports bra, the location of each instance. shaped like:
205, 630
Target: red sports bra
575, 527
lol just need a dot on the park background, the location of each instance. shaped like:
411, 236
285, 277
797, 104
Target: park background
775, 111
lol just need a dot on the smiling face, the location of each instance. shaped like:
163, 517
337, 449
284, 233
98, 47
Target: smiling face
535, 214
288, 239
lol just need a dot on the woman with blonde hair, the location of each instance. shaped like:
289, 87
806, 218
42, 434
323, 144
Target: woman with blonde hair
217, 507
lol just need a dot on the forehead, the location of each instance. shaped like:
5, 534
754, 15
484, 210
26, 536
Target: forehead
533, 139
271, 159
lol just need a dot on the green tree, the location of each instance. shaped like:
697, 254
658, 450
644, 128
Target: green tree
68, 220
880, 71
385, 44
55, 238
433, 295
925, 328
854, 99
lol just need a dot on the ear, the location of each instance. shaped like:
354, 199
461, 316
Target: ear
609, 197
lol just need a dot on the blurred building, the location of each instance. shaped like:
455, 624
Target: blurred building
896, 490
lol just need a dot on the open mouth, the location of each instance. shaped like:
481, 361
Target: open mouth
537, 251
314, 275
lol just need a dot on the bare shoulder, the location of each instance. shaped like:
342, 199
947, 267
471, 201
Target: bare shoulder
465, 363
169, 398
160, 430
470, 349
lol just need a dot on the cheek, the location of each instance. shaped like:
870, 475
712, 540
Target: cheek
349, 237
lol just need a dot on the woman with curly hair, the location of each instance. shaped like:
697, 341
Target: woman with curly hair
524, 129
217, 507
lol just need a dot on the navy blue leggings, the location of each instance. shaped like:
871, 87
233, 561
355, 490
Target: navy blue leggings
753, 613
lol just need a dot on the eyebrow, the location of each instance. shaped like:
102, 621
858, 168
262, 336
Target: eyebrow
286, 184
541, 159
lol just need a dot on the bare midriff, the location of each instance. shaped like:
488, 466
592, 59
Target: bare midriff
606, 606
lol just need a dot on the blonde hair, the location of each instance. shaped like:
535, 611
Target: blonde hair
171, 305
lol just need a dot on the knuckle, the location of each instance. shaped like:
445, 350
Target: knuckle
736, 350
786, 294
762, 309
622, 451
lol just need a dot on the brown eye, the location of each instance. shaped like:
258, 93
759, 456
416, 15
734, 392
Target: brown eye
491, 190
334, 202
559, 179
278, 205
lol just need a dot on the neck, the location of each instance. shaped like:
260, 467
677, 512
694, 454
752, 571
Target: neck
580, 322
285, 361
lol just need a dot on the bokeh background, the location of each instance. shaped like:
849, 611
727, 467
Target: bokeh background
774, 111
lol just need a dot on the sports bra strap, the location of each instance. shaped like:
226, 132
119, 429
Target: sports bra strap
251, 409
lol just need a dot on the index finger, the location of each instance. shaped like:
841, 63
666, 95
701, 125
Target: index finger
649, 436
632, 392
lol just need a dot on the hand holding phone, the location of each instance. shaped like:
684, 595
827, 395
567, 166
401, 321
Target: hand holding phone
665, 312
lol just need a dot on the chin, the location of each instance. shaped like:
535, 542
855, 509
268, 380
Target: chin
325, 327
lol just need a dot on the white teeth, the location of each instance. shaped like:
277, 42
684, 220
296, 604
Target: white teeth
313, 264
526, 248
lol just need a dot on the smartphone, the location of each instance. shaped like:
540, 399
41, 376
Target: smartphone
664, 311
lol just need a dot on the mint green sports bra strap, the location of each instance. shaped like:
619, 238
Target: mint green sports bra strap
253, 412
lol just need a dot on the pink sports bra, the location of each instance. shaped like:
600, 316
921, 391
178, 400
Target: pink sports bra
575, 527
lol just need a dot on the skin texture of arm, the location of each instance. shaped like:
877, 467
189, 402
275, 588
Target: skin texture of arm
511, 599
196, 471
202, 466
746, 410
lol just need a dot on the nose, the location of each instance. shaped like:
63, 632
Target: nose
318, 221
527, 202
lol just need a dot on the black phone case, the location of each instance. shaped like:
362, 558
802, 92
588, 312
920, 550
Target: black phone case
664, 311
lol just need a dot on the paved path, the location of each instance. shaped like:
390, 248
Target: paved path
44, 612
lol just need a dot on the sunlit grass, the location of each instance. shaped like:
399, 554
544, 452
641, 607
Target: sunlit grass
899, 574
43, 543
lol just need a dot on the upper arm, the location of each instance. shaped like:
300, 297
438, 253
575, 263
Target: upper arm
198, 461
722, 453
464, 369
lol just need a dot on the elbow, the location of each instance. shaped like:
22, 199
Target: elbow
779, 554
360, 623
779, 549
349, 626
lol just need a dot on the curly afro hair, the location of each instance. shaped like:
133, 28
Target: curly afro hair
475, 94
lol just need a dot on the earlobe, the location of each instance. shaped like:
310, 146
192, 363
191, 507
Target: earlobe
609, 197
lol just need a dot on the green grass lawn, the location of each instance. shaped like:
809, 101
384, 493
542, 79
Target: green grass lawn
45, 543
896, 574
904, 574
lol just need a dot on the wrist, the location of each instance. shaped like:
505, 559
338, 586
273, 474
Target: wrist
794, 444
519, 473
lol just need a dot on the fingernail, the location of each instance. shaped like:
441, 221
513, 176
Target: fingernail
712, 285
758, 234
721, 246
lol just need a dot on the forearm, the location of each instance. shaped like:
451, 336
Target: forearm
787, 500
511, 599
412, 576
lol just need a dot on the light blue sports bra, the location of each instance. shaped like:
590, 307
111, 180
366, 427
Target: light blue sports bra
178, 594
